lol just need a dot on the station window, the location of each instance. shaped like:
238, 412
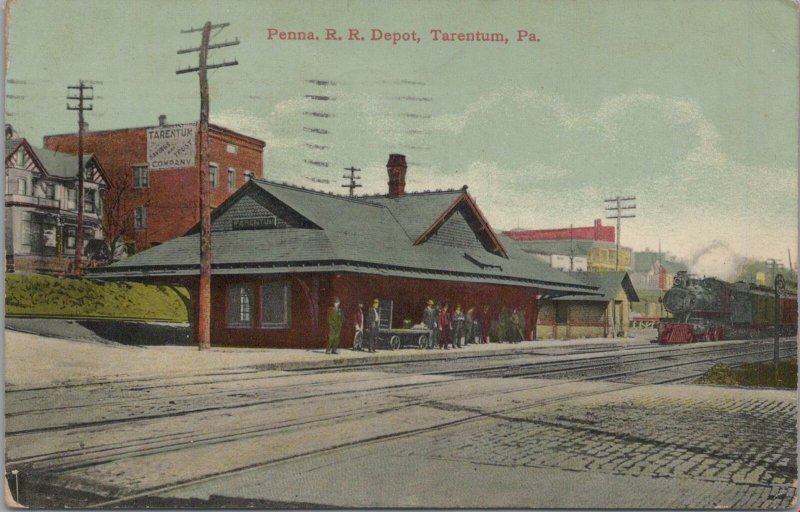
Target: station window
141, 176
240, 306
27, 229
22, 186
231, 179
562, 313
70, 237
50, 190
213, 174
90, 201
23, 159
72, 199
275, 305
140, 218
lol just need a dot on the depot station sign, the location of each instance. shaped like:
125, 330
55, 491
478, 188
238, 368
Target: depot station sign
171, 147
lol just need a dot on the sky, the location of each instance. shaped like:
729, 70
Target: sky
691, 106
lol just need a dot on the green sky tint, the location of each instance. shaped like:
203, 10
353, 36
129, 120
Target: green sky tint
691, 105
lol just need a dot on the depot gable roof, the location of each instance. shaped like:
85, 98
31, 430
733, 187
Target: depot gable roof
269, 227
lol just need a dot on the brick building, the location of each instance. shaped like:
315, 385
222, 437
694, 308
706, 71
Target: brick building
583, 248
146, 207
281, 254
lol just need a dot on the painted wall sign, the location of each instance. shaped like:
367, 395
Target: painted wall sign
171, 147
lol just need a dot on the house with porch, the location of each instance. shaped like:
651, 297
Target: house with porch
41, 207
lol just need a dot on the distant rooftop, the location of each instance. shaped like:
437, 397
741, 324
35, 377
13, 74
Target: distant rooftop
594, 232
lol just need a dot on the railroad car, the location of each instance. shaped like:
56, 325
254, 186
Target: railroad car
708, 309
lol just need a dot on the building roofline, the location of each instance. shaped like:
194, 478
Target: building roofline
418, 193
212, 127
333, 195
325, 265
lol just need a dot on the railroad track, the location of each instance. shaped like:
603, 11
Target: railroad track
55, 462
568, 369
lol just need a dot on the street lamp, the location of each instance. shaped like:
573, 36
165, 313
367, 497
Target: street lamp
779, 285
15, 472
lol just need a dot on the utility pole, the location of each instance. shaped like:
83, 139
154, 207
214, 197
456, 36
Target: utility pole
571, 249
778, 284
352, 185
203, 308
618, 204
82, 88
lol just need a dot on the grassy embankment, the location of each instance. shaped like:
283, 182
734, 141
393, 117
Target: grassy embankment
29, 295
756, 375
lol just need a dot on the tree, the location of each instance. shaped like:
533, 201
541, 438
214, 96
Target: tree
120, 201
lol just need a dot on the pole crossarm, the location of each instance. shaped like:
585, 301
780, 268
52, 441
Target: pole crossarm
211, 46
352, 185
218, 25
208, 66
618, 205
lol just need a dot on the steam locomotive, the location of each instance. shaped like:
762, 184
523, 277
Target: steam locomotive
708, 309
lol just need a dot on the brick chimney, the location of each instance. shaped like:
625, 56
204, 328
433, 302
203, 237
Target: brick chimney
162, 120
396, 168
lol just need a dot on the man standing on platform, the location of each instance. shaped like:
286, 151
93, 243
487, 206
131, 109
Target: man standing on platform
335, 321
444, 327
429, 318
358, 338
373, 324
485, 320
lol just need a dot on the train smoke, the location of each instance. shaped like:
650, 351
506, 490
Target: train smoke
718, 260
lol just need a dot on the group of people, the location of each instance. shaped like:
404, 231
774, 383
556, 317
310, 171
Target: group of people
448, 329
367, 325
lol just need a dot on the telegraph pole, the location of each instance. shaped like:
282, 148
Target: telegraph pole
778, 284
571, 249
203, 308
618, 204
352, 185
82, 88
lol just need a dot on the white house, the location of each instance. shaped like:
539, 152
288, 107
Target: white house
42, 207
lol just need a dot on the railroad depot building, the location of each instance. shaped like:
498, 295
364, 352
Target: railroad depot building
282, 253
589, 316
145, 206
41, 207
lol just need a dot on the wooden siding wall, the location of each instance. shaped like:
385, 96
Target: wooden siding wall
584, 320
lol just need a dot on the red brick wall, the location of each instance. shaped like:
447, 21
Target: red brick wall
409, 296
172, 197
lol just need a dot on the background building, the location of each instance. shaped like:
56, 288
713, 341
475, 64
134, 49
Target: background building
590, 248
41, 207
147, 207
652, 275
